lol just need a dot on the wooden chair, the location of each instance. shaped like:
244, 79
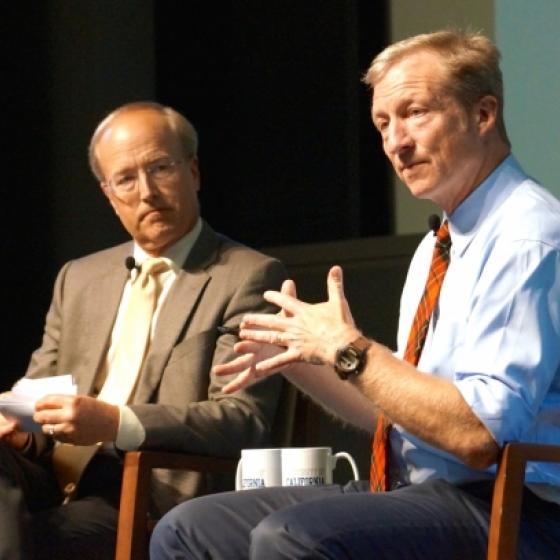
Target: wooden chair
508, 493
134, 524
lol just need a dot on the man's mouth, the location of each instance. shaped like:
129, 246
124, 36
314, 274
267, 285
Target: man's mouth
411, 165
151, 212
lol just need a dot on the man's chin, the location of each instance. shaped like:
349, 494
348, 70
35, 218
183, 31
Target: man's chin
420, 188
157, 240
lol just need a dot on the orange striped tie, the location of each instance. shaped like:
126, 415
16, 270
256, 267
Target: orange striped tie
378, 476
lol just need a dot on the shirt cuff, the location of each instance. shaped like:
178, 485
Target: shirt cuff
131, 433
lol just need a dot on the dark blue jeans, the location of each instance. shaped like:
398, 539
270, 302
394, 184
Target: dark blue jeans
434, 520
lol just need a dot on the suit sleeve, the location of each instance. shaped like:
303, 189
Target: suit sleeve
43, 361
214, 423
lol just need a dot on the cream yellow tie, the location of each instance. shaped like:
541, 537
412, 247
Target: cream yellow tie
69, 460
135, 334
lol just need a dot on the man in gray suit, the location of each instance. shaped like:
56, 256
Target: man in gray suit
144, 156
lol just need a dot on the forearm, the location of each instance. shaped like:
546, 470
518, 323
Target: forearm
428, 407
338, 397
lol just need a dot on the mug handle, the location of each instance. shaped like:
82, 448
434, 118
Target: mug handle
350, 459
238, 475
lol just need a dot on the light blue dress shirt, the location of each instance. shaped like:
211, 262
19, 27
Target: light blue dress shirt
496, 331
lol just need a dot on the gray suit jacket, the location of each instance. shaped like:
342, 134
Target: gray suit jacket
177, 400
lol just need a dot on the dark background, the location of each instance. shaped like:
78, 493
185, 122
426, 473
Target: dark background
288, 154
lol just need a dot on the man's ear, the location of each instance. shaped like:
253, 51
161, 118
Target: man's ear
487, 114
105, 191
194, 170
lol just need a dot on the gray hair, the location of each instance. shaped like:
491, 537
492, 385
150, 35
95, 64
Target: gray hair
185, 131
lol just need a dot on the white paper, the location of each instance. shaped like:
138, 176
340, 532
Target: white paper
20, 402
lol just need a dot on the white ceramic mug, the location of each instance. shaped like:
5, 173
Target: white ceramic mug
258, 468
312, 466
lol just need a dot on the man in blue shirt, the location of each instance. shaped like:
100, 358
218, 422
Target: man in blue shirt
489, 368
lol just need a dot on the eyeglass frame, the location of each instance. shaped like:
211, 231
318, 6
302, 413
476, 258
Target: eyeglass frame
148, 171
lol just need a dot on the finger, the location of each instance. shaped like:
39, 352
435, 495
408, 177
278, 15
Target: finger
277, 363
237, 365
264, 321
289, 288
273, 338
335, 288
50, 414
241, 381
49, 430
247, 347
288, 303
335, 284
52, 402
47, 417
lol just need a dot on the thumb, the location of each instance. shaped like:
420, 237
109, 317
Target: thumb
289, 288
335, 287
335, 284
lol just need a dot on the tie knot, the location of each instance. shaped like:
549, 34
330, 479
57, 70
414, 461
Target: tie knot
154, 266
443, 237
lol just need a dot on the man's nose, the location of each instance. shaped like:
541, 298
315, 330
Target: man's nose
397, 137
146, 184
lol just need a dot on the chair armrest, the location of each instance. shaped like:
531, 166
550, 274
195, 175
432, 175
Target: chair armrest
132, 532
147, 460
508, 494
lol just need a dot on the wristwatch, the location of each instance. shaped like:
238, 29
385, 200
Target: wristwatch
351, 359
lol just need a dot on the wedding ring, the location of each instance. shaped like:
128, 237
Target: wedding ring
51, 430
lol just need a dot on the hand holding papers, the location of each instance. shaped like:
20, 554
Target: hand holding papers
19, 403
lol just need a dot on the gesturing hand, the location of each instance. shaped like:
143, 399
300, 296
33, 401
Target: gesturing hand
300, 332
253, 353
309, 332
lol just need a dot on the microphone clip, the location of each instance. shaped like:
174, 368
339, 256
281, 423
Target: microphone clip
130, 264
434, 222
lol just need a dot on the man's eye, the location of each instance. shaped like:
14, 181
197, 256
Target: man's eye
124, 180
416, 112
161, 167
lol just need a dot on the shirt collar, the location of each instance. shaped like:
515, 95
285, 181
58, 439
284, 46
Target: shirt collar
466, 219
178, 252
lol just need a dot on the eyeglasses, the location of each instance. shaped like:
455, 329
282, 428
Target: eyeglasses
159, 171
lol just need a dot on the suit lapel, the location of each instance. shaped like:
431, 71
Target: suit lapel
102, 298
177, 310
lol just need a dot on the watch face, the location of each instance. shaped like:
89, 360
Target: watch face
348, 359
